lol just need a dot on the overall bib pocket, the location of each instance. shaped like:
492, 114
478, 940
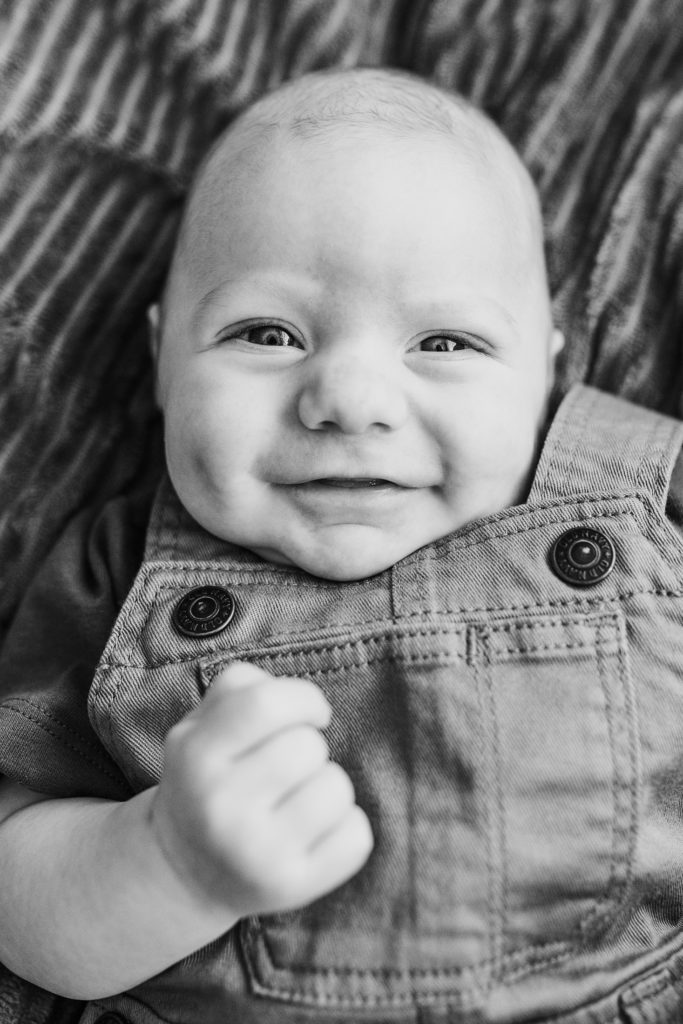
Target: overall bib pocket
498, 765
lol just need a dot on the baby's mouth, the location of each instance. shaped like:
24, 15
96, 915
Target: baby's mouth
351, 482
353, 498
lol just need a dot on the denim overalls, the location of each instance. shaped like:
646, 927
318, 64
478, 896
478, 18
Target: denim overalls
514, 735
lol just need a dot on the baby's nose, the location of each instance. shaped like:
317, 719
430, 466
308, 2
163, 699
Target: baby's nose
351, 396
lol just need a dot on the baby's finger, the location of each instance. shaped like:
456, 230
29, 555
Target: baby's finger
319, 805
340, 853
240, 717
282, 763
238, 674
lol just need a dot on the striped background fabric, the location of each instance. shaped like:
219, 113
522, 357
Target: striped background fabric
106, 108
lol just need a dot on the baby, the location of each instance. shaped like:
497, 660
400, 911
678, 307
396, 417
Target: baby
354, 355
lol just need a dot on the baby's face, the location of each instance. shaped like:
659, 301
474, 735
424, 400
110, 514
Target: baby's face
357, 350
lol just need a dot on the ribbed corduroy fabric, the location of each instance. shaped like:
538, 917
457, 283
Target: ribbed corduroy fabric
106, 108
105, 111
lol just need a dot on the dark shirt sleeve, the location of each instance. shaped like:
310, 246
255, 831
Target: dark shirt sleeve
53, 647
674, 505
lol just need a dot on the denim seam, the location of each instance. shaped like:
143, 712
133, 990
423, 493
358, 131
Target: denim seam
378, 972
411, 583
632, 741
632, 746
639, 477
327, 648
517, 530
393, 589
416, 659
436, 658
446, 658
436, 973
577, 432
176, 528
662, 436
554, 647
474, 970
374, 972
571, 426
444, 611
496, 846
566, 504
109, 695
167, 527
378, 638
538, 955
597, 912
242, 574
226, 654
488, 965
527, 963
576, 601
656, 985
45, 713
83, 754
543, 623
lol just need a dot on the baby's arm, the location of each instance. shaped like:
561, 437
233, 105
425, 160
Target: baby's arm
249, 817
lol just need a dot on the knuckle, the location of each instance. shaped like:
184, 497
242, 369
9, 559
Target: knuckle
236, 823
291, 884
178, 738
312, 746
221, 683
304, 694
201, 761
340, 783
362, 832
260, 701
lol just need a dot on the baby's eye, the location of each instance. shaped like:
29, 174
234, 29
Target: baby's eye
271, 335
442, 343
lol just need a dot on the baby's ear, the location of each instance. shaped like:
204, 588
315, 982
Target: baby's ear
153, 323
556, 343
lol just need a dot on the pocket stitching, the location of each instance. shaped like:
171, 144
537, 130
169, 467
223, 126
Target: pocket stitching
534, 956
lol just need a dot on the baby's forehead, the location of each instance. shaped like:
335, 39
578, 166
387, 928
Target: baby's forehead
314, 117
366, 103
361, 97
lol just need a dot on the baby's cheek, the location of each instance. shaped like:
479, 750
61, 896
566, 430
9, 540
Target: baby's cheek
209, 470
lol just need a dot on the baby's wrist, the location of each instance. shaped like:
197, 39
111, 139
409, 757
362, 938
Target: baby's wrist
172, 880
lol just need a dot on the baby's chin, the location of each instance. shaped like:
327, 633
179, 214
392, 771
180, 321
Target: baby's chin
339, 563
333, 567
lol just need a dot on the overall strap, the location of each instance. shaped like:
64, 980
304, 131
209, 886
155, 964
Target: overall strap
174, 536
601, 444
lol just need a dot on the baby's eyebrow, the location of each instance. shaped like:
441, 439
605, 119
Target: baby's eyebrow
201, 308
262, 287
453, 303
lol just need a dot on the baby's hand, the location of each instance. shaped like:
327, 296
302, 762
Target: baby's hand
250, 812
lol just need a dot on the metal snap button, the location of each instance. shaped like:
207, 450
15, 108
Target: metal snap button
582, 556
203, 611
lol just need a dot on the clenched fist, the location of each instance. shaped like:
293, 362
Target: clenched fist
250, 811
